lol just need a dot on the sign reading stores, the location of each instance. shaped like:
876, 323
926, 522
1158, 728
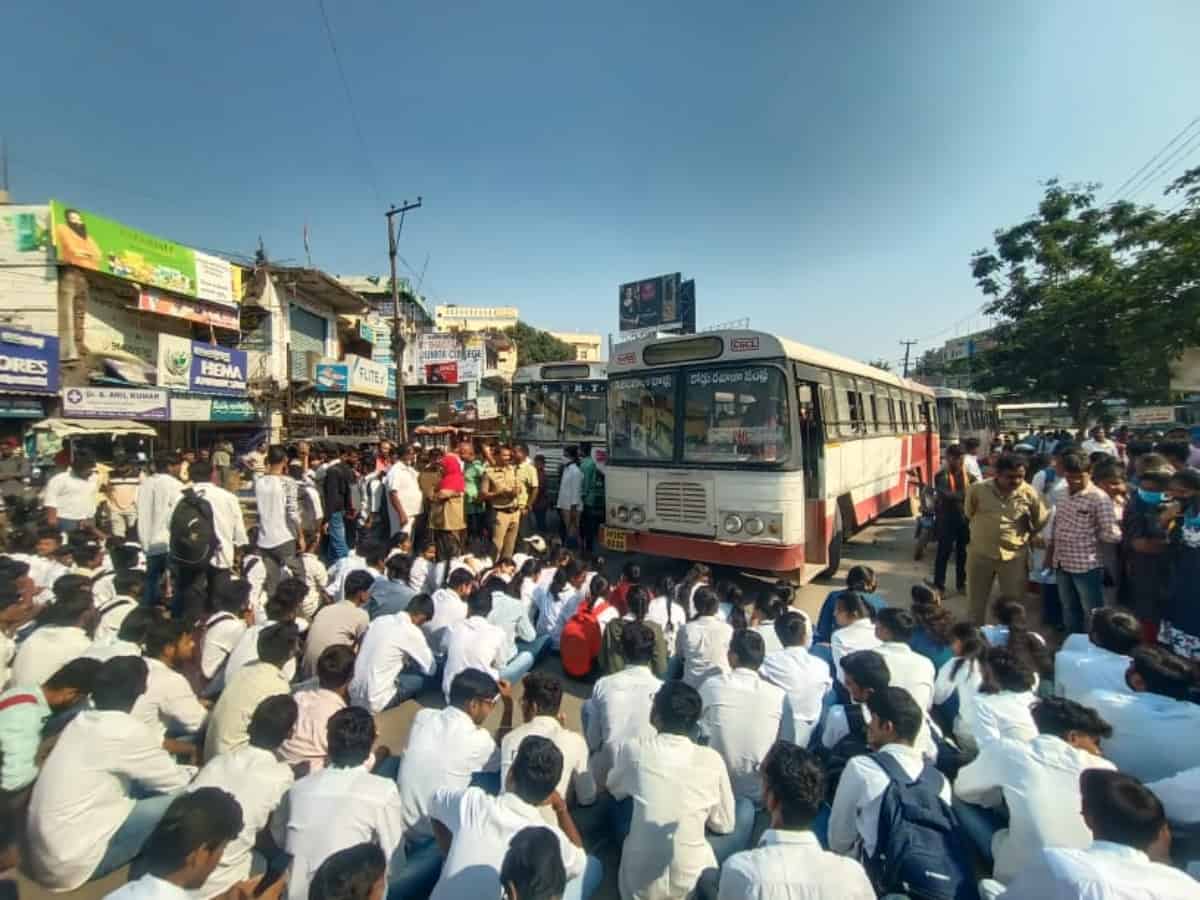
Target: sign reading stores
114, 403
201, 368
28, 361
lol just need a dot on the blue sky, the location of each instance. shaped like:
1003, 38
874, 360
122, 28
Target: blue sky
823, 168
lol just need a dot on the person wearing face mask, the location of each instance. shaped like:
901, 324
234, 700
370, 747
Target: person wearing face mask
1180, 628
1144, 546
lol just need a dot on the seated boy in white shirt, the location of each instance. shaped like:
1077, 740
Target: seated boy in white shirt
169, 702
1101, 666
395, 662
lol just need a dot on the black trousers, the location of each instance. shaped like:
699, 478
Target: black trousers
953, 537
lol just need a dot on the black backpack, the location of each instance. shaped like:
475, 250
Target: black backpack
193, 533
852, 745
919, 848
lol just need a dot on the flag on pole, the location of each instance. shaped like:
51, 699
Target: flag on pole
307, 250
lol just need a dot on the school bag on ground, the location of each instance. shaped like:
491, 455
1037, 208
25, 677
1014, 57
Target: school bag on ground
919, 848
193, 535
579, 646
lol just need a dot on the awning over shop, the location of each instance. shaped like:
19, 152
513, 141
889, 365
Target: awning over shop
65, 428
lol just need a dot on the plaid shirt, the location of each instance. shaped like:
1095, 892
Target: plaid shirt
1081, 522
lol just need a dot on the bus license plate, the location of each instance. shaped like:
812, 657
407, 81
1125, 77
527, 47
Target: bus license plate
616, 540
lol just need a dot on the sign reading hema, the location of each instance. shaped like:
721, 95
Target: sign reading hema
201, 368
28, 361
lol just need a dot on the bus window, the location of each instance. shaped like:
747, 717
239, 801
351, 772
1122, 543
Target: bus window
891, 414
873, 409
585, 412
537, 413
736, 415
642, 418
843, 393
903, 414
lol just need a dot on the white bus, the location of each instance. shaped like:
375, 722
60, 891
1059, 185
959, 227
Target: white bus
745, 449
555, 405
964, 414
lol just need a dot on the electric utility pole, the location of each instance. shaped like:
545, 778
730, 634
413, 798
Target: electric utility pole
907, 348
399, 339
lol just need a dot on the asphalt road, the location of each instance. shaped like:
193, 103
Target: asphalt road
886, 546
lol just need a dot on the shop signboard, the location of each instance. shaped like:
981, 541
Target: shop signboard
437, 348
201, 368
94, 242
227, 409
28, 361
191, 409
370, 378
442, 373
22, 408
114, 403
333, 378
190, 310
322, 407
486, 407
28, 277
1151, 415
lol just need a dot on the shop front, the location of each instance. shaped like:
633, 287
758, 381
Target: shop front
29, 379
209, 399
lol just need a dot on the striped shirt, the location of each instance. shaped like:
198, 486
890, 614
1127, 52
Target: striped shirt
1081, 522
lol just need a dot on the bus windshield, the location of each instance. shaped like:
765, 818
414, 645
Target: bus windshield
642, 420
735, 415
537, 413
586, 415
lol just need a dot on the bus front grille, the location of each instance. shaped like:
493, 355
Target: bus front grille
681, 502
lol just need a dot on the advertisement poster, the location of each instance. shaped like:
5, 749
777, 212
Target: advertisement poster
370, 378
486, 407
114, 403
191, 409
201, 368
94, 242
442, 373
333, 378
28, 361
190, 310
664, 302
28, 277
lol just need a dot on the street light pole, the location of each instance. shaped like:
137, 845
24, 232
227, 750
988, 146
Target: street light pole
398, 337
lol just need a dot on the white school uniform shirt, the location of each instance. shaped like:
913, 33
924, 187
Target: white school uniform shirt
805, 681
1180, 796
229, 523
445, 748
854, 819
570, 488
331, 810
390, 643
45, 651
971, 464
110, 617
73, 498
620, 706
316, 576
474, 643
657, 613
1154, 737
554, 610
148, 887
909, 670
420, 574
448, 610
222, 631
858, 635
1002, 715
111, 650
678, 788
277, 497
1101, 871
258, 781
8, 650
245, 653
703, 644
575, 772
1039, 783
766, 630
836, 727
790, 865
742, 715
157, 498
482, 827
83, 796
169, 703
1076, 674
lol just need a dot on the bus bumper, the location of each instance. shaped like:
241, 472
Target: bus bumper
762, 557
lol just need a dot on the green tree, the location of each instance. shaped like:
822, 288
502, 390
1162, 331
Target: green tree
881, 364
537, 346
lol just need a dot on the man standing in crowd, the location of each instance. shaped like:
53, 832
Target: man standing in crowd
473, 471
279, 523
156, 500
1100, 443
339, 507
1003, 513
592, 512
527, 485
70, 498
229, 524
500, 490
971, 458
570, 496
403, 492
951, 485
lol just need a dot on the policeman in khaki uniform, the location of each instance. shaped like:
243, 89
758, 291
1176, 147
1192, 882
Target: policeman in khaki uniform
500, 490
527, 485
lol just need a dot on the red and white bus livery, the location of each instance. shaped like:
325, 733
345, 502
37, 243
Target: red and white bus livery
745, 449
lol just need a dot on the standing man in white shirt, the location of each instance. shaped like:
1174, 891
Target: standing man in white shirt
679, 790
478, 827
805, 679
971, 458
540, 703
403, 491
280, 534
1100, 442
229, 523
71, 497
1156, 728
84, 820
789, 861
1038, 782
340, 806
156, 499
703, 643
570, 496
1129, 831
395, 662
447, 748
909, 670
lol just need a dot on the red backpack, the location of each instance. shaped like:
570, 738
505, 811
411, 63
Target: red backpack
579, 646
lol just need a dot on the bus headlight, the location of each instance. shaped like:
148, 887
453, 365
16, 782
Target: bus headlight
638, 516
733, 523
622, 513
755, 526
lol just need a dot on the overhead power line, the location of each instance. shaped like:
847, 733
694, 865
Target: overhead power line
1116, 195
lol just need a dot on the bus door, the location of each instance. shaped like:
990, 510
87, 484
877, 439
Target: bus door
812, 393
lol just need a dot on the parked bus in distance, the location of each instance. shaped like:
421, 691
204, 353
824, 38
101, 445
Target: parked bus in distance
745, 449
965, 414
555, 405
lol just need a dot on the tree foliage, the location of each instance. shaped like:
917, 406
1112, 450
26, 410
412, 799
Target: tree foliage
1094, 301
881, 364
537, 346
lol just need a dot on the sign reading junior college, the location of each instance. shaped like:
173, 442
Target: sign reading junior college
28, 361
